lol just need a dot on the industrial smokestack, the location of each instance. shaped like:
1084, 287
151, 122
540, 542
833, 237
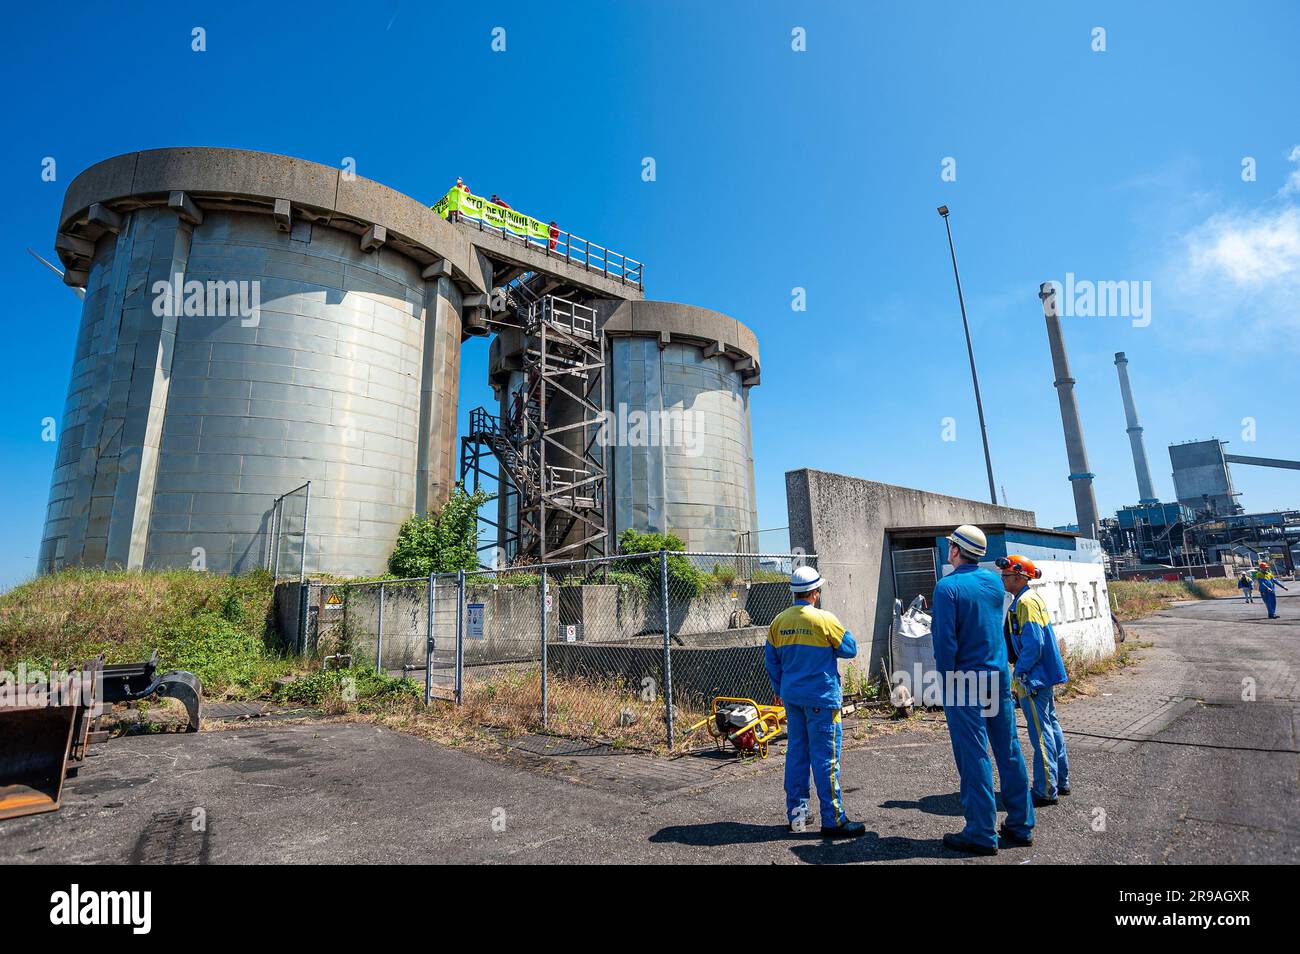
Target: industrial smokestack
1146, 492
1085, 502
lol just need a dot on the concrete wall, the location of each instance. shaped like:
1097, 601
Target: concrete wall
844, 521
618, 613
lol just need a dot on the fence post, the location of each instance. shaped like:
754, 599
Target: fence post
668, 653
545, 634
379, 634
428, 644
272, 556
460, 636
302, 574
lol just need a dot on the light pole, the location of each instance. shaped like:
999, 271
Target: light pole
970, 352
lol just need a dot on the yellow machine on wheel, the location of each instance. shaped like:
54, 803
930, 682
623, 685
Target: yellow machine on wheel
746, 724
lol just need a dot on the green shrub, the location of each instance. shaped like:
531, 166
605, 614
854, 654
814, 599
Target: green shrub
684, 580
440, 543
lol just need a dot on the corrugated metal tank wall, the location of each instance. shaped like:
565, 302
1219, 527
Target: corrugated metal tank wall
700, 483
325, 387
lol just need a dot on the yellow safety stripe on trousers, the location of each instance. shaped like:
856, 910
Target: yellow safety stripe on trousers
835, 771
1042, 752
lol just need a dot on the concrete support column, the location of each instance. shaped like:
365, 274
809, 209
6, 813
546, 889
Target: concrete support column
439, 384
142, 421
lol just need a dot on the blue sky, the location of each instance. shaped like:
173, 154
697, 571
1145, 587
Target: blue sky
775, 169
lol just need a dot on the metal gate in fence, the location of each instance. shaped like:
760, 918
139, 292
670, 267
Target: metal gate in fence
630, 647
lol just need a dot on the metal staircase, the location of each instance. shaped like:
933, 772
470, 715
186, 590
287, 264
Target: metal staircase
545, 443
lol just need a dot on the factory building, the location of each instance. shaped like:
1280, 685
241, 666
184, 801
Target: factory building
1202, 479
252, 322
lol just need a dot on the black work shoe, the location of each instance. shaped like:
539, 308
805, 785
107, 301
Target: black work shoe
1040, 802
1063, 790
1009, 839
962, 843
846, 829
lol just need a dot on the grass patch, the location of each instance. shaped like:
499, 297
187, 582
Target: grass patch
218, 627
339, 690
506, 704
1138, 598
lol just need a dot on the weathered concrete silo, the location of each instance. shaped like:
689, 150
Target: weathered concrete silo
691, 369
251, 322
675, 453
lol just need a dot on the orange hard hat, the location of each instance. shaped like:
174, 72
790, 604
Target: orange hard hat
1022, 564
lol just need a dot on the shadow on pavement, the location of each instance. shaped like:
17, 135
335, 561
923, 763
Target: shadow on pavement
872, 847
727, 833
949, 805
809, 847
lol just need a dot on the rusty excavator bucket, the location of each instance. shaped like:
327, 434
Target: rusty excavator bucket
45, 728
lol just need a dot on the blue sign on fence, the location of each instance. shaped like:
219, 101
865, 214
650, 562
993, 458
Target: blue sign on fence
474, 621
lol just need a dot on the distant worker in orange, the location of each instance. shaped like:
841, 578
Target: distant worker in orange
555, 234
460, 184
497, 200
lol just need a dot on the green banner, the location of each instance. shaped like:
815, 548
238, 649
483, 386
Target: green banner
478, 209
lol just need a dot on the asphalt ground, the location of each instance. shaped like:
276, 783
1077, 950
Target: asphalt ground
1189, 755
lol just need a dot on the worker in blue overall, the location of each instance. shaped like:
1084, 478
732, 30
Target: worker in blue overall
1037, 670
970, 656
1244, 584
804, 644
1267, 584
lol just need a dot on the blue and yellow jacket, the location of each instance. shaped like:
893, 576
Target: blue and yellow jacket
803, 643
1032, 642
1266, 582
966, 626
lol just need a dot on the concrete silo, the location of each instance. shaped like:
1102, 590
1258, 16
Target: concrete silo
674, 452
691, 368
252, 322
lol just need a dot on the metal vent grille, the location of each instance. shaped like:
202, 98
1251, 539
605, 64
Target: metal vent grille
914, 574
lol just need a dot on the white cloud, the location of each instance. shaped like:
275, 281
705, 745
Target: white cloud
1251, 251
1236, 274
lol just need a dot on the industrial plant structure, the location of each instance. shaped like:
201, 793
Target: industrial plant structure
254, 321
1206, 524
1085, 500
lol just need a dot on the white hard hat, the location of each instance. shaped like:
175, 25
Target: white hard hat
970, 540
805, 579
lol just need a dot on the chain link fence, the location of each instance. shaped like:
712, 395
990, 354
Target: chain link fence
629, 649
286, 559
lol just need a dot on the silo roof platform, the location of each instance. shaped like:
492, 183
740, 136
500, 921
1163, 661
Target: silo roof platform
477, 255
517, 244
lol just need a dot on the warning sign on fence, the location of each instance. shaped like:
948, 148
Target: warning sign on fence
474, 621
333, 601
